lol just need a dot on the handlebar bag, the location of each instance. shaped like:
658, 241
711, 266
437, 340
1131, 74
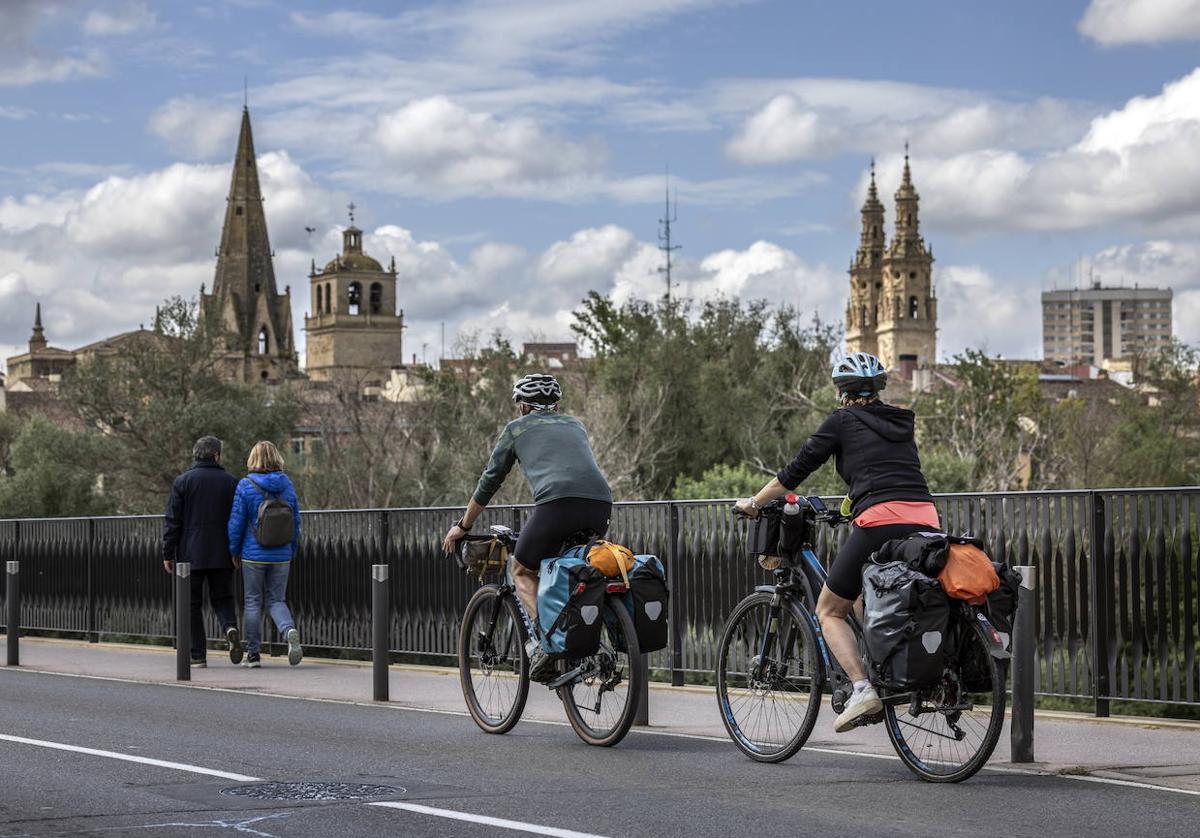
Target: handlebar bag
762, 537
570, 599
647, 602
907, 615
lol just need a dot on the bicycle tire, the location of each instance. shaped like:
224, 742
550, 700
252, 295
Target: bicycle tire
493, 722
810, 677
614, 732
940, 771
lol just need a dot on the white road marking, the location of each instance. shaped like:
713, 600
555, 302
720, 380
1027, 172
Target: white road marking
1008, 769
486, 820
161, 763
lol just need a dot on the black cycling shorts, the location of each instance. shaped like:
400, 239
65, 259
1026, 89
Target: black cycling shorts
845, 574
552, 522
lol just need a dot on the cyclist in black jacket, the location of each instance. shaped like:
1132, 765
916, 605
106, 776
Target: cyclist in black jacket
875, 452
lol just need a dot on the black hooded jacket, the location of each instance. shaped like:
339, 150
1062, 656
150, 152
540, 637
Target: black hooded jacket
875, 453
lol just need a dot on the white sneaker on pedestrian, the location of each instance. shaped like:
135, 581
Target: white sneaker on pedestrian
295, 653
864, 702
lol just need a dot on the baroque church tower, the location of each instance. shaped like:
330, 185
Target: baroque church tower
257, 319
892, 311
354, 334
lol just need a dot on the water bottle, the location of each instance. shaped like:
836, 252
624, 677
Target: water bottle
791, 535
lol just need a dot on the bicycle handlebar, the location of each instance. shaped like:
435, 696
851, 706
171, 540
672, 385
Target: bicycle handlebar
819, 510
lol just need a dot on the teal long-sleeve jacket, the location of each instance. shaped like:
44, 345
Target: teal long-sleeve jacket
555, 457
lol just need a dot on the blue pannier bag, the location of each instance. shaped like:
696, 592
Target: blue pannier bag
647, 602
570, 598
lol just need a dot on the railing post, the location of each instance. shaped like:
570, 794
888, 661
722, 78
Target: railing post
642, 716
1102, 602
1021, 730
13, 622
93, 635
673, 593
183, 621
380, 617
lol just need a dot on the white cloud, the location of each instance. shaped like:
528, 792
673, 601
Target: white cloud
196, 128
124, 19
1136, 164
1114, 22
977, 311
808, 118
469, 152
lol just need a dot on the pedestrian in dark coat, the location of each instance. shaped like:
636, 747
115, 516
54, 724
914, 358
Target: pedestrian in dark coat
195, 531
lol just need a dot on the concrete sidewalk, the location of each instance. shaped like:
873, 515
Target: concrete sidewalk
1147, 751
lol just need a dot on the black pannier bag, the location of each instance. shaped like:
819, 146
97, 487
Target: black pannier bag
907, 615
647, 601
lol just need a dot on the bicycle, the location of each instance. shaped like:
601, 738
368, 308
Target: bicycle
773, 668
599, 692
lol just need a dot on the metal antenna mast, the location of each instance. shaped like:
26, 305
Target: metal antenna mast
664, 234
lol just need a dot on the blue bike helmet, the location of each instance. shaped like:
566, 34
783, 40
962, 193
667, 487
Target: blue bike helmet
859, 375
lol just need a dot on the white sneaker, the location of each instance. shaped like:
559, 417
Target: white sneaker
295, 652
865, 702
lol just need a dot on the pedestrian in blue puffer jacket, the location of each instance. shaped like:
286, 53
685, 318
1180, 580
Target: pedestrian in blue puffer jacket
264, 569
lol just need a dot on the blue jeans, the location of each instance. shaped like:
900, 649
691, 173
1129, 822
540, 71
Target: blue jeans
269, 579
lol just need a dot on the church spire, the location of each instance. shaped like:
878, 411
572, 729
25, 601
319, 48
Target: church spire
908, 226
871, 239
38, 339
244, 292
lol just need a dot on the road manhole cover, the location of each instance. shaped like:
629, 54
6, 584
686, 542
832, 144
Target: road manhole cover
312, 791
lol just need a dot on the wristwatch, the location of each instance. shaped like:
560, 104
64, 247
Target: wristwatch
462, 525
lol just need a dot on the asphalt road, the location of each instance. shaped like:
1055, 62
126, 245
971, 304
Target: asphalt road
540, 774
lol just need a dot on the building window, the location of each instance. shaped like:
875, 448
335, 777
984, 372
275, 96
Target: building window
376, 298
262, 342
862, 317
320, 299
354, 297
912, 307
237, 211
298, 446
328, 298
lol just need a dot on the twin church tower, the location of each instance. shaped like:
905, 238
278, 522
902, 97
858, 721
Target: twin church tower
354, 333
892, 310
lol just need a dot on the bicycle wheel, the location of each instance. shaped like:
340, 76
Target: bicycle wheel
948, 732
769, 702
602, 701
492, 665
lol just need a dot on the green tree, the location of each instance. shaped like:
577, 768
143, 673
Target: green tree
51, 472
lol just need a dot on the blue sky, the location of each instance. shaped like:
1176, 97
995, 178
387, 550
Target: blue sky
511, 155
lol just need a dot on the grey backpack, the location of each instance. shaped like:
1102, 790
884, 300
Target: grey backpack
275, 523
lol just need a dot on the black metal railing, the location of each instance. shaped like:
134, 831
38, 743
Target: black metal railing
1117, 580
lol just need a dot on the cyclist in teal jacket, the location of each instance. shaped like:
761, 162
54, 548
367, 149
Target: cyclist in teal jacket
570, 492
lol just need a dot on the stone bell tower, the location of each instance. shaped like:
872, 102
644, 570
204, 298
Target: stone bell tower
354, 333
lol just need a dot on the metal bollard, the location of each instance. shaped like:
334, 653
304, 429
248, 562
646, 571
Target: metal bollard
1021, 730
642, 717
13, 625
183, 621
380, 618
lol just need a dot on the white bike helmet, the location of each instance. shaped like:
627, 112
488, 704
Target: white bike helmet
537, 389
859, 374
